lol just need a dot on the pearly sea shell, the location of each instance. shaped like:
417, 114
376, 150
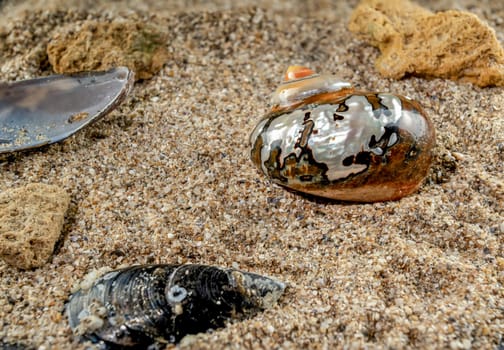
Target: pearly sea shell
324, 138
42, 111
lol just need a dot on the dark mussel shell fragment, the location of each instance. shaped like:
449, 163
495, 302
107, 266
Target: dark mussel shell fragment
144, 305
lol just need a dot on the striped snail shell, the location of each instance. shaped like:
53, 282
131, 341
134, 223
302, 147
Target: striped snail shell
324, 138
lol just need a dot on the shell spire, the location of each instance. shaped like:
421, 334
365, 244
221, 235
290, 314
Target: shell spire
301, 83
298, 72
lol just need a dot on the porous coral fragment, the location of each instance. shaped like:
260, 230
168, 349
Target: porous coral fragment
451, 44
102, 45
31, 219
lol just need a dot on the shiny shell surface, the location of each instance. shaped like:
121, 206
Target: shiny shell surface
145, 306
324, 138
42, 111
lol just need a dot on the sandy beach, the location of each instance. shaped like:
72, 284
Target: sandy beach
167, 178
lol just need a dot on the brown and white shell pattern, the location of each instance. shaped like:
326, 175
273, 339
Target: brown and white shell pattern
324, 138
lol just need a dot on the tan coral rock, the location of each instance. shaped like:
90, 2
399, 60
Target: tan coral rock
451, 44
31, 220
102, 45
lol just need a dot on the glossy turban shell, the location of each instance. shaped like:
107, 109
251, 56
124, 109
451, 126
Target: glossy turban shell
324, 138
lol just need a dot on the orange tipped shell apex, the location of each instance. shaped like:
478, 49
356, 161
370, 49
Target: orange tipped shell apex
298, 72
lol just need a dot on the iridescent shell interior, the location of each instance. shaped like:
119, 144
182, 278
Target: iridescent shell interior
42, 111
